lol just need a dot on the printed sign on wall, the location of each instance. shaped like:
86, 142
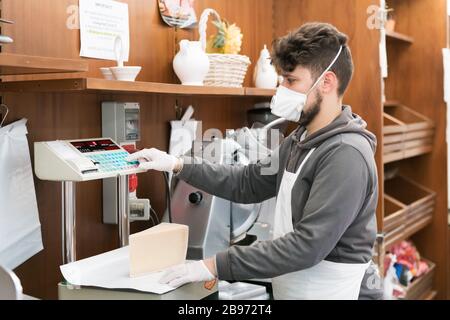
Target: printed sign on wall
101, 23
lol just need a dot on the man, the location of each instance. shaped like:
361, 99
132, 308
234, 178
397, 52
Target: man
326, 187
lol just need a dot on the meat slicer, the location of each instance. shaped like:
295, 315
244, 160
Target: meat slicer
214, 223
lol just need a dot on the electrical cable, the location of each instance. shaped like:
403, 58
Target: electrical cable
168, 196
155, 215
152, 220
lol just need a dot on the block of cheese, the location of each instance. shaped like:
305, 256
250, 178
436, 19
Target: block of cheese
158, 248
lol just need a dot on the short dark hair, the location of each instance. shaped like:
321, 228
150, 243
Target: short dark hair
314, 46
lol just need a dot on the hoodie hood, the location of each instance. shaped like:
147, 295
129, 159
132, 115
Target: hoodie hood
347, 122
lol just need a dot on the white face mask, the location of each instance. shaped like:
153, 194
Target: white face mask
289, 104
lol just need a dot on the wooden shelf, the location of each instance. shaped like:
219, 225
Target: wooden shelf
392, 103
417, 226
402, 84
406, 133
405, 233
260, 92
397, 36
409, 208
422, 287
411, 153
394, 214
108, 86
430, 295
16, 64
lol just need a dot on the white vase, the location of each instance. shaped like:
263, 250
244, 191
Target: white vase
265, 75
191, 64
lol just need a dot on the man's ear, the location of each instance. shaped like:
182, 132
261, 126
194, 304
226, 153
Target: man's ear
330, 82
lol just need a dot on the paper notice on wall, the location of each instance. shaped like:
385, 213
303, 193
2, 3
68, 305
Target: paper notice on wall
383, 54
383, 47
446, 56
101, 22
448, 129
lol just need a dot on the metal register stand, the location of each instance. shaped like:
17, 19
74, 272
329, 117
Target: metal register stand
69, 217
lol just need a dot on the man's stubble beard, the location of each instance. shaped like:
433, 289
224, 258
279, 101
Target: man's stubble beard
308, 116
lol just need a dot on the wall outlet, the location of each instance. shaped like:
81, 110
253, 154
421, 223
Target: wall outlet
139, 210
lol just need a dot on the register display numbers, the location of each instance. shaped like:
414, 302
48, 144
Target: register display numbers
95, 146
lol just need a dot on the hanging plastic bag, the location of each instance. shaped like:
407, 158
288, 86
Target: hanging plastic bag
182, 135
392, 287
20, 229
390, 280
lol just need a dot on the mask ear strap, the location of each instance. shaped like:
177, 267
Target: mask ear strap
327, 69
6, 114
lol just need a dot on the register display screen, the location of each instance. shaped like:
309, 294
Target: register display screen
95, 146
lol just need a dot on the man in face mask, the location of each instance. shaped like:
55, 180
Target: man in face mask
326, 187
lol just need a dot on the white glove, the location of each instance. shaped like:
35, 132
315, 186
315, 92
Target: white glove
154, 159
186, 273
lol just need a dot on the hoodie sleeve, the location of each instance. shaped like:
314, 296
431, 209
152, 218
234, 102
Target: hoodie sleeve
337, 195
241, 184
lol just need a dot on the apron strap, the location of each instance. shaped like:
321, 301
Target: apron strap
305, 160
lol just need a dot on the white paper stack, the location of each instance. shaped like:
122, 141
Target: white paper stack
111, 270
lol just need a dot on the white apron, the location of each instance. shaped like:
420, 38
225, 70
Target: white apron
326, 280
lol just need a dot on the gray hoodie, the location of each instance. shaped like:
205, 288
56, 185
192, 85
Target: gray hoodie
333, 204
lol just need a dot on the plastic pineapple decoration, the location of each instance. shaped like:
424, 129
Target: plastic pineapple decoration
228, 39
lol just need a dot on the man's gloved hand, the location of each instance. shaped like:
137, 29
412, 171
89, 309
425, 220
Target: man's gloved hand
187, 273
154, 159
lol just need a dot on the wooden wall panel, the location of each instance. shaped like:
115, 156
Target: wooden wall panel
151, 41
416, 79
364, 93
153, 44
78, 115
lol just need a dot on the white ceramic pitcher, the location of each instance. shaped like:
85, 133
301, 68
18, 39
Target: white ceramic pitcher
191, 64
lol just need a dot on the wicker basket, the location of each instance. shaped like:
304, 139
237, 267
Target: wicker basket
226, 70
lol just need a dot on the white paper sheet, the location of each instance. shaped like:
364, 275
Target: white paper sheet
446, 56
448, 127
111, 270
63, 150
383, 47
383, 55
20, 228
101, 21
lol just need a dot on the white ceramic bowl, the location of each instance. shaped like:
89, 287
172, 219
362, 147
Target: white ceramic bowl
126, 73
107, 73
